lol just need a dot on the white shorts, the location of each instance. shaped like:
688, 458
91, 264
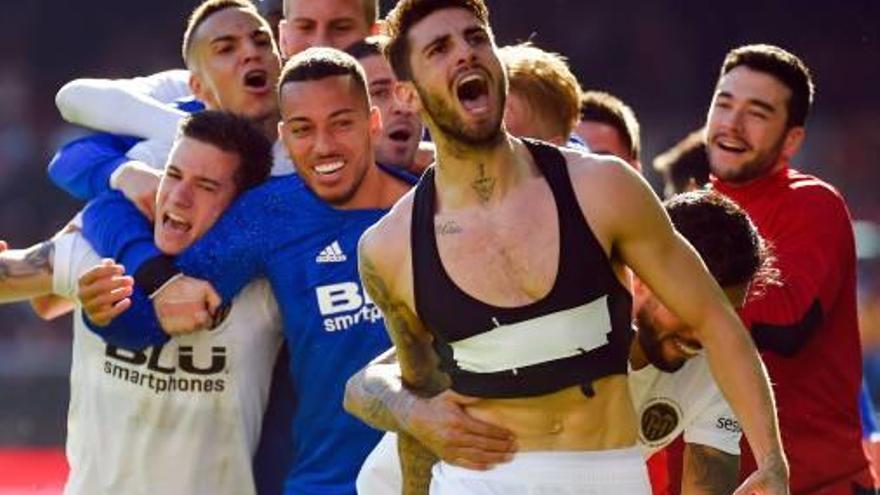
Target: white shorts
618, 472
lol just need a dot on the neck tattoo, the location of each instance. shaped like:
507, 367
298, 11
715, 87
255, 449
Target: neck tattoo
483, 185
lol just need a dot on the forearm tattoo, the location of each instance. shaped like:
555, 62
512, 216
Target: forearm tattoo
416, 462
710, 470
378, 401
36, 260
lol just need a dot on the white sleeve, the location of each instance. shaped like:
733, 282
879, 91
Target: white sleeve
153, 152
73, 256
138, 107
714, 425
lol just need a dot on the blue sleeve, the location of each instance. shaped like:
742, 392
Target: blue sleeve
116, 229
135, 329
228, 256
83, 167
234, 250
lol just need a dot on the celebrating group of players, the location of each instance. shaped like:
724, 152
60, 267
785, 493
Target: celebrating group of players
424, 234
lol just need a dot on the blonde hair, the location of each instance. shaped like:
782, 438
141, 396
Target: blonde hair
546, 83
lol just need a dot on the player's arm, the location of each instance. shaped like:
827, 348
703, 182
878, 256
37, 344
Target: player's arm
621, 206
809, 250
376, 396
138, 107
26, 273
708, 471
418, 361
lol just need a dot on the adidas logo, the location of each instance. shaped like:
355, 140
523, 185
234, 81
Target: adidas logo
331, 254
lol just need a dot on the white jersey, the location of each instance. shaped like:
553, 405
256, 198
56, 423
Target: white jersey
667, 404
688, 401
181, 419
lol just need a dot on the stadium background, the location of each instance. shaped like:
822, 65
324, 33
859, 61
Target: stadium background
661, 57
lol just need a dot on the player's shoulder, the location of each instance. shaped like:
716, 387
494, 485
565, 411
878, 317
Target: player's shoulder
809, 191
595, 171
387, 241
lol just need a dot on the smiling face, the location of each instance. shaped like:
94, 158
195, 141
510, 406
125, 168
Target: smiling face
401, 127
198, 185
235, 64
333, 23
458, 77
328, 130
666, 341
746, 132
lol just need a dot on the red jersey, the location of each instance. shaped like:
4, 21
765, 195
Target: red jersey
807, 328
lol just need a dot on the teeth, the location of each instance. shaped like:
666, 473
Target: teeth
329, 168
687, 349
176, 218
177, 222
472, 77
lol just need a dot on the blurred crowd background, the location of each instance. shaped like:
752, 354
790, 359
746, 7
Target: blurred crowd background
661, 57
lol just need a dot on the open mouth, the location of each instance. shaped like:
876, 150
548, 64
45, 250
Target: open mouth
731, 145
257, 79
173, 222
473, 92
400, 135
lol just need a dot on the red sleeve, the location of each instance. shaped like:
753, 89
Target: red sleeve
812, 240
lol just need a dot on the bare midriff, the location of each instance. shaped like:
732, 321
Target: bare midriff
567, 420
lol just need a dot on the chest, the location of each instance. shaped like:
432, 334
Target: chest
506, 256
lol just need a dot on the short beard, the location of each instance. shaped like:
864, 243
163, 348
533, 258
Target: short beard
752, 170
453, 129
651, 346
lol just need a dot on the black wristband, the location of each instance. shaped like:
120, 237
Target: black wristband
155, 272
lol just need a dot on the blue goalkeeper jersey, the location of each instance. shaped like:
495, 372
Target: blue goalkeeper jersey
307, 250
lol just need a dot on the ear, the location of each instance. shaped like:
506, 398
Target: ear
375, 123
794, 137
405, 93
282, 39
197, 86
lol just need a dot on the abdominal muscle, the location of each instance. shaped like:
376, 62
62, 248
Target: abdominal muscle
567, 420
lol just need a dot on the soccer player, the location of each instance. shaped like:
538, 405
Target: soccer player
670, 383
401, 127
182, 417
478, 261
806, 329
609, 126
300, 231
544, 97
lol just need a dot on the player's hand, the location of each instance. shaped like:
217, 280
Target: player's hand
104, 292
139, 183
186, 305
443, 426
771, 478
3, 246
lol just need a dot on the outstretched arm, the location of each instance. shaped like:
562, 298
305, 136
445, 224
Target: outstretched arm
26, 273
139, 107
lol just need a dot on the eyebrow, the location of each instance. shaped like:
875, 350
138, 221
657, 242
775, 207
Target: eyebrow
297, 119
385, 81
443, 38
753, 101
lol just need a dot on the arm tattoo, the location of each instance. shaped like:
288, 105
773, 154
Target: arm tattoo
375, 396
36, 260
415, 464
419, 370
709, 470
484, 185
